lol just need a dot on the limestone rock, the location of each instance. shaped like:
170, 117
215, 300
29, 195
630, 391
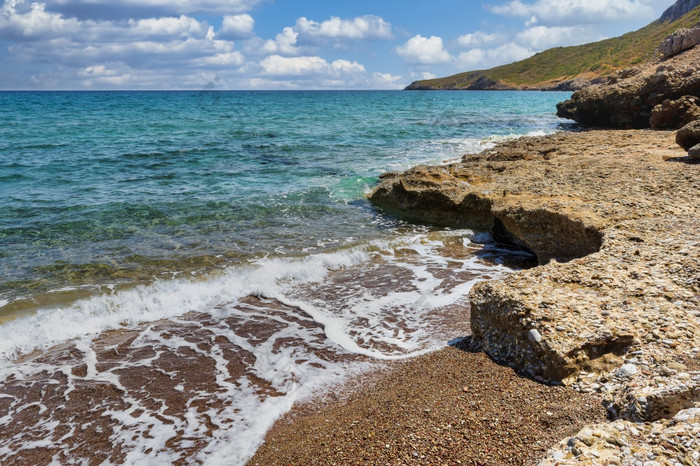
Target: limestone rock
627, 370
680, 41
674, 114
629, 102
617, 312
673, 441
689, 135
694, 152
614, 226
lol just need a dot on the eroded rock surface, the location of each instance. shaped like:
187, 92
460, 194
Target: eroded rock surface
617, 312
666, 88
673, 441
689, 135
680, 41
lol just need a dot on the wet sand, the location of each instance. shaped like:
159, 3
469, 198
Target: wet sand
447, 407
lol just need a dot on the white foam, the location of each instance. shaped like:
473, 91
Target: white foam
162, 299
385, 319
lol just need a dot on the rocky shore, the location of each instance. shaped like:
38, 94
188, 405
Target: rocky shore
662, 94
614, 307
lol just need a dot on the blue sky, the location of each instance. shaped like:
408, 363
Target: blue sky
287, 44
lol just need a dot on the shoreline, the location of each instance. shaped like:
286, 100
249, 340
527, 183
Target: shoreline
601, 314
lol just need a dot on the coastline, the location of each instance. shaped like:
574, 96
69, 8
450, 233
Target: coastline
612, 311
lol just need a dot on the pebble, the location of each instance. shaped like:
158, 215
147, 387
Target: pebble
627, 370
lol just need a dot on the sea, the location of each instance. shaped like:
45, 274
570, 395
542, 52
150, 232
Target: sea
177, 269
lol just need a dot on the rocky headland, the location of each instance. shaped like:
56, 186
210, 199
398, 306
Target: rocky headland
614, 307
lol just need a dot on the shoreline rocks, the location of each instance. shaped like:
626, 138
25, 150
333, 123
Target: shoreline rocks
662, 95
614, 307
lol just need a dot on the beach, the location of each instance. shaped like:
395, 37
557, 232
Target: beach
449, 407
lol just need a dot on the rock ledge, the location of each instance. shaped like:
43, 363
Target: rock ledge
613, 218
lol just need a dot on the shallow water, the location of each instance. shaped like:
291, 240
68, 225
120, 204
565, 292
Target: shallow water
190, 264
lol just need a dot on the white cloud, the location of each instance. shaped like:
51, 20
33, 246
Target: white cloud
387, 81
264, 83
285, 43
65, 46
479, 39
488, 58
557, 12
424, 50
543, 37
110, 8
234, 58
277, 65
19, 20
306, 35
236, 27
169, 27
361, 27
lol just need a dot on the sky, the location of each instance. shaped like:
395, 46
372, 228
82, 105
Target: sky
288, 44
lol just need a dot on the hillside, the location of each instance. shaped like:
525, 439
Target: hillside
568, 68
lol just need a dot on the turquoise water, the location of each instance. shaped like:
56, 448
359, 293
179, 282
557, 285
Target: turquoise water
121, 187
193, 264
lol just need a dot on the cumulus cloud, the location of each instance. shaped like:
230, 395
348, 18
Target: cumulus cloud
226, 59
387, 81
61, 43
480, 39
557, 12
544, 37
424, 50
23, 21
285, 43
361, 27
487, 58
277, 65
306, 34
236, 27
183, 26
111, 9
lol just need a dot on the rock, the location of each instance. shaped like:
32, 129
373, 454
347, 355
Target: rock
621, 224
694, 152
689, 135
617, 311
680, 41
674, 114
627, 370
534, 336
678, 9
671, 441
630, 102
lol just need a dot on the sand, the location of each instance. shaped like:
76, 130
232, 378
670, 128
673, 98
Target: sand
447, 407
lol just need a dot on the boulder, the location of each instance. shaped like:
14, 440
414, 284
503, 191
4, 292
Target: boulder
680, 41
694, 152
689, 135
630, 98
674, 114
